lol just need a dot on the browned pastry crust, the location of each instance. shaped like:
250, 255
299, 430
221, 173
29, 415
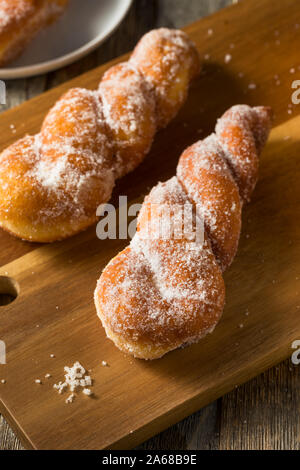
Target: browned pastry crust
21, 20
52, 183
163, 292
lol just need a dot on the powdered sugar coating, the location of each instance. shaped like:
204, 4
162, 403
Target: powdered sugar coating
172, 284
20, 20
129, 112
13, 11
159, 294
205, 176
58, 178
169, 60
242, 133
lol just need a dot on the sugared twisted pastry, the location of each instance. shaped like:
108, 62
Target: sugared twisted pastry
52, 183
163, 292
21, 20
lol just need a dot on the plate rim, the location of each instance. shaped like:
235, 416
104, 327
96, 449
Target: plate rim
66, 59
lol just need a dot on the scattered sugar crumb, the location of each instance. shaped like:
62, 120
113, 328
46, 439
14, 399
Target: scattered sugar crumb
52, 356
227, 58
241, 74
3, 381
60, 386
207, 56
210, 32
75, 377
241, 325
87, 381
70, 398
47, 376
252, 86
278, 82
38, 381
57, 307
232, 46
292, 70
104, 364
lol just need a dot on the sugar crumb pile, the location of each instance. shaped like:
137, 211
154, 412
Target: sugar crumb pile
76, 377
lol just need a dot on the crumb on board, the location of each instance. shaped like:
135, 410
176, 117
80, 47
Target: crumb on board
70, 398
75, 377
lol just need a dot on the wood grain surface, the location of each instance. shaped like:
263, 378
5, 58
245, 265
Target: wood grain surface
265, 412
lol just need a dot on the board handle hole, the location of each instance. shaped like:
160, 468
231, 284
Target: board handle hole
9, 290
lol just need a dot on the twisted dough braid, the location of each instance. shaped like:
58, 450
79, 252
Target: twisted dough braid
52, 183
159, 294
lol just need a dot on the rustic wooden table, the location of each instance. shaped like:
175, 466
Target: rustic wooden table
262, 414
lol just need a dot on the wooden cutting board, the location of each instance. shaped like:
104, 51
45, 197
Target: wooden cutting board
54, 312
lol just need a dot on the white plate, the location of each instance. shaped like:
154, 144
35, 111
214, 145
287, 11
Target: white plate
83, 27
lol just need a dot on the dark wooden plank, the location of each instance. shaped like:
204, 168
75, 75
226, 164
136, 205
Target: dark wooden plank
264, 413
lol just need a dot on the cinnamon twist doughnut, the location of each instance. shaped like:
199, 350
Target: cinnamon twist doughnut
52, 183
161, 293
21, 20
